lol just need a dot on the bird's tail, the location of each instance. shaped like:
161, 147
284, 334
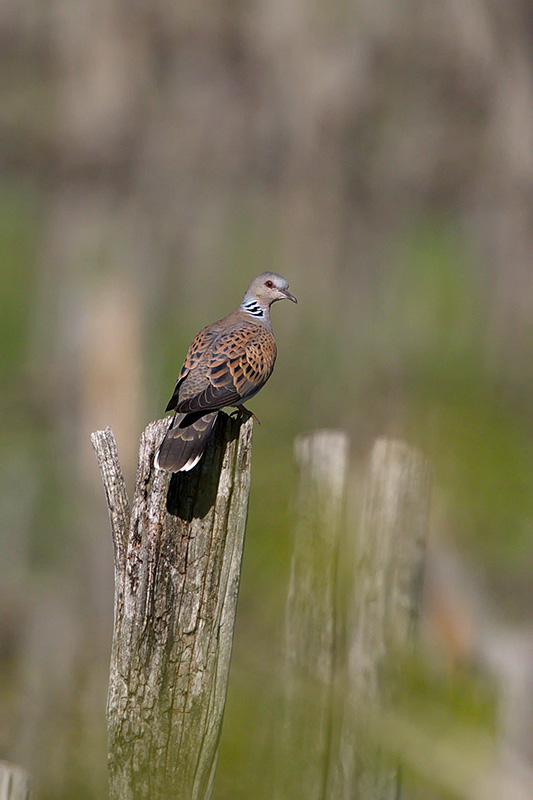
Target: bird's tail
185, 442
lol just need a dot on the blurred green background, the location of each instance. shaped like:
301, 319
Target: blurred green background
155, 157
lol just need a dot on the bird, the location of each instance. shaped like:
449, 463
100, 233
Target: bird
227, 363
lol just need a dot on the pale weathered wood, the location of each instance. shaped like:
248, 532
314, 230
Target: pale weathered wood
383, 610
174, 615
14, 782
105, 447
310, 617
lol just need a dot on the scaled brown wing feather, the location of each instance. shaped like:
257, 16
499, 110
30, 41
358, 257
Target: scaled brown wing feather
239, 363
195, 354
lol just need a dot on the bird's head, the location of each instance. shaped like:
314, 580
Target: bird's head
266, 288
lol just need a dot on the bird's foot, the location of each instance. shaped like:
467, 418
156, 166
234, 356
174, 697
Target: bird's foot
245, 413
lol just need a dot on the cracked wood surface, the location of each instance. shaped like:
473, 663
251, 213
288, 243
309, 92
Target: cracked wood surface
177, 570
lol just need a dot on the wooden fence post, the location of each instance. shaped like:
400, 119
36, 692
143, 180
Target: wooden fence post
382, 614
177, 570
14, 782
310, 617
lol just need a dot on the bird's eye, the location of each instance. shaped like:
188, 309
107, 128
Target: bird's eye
269, 284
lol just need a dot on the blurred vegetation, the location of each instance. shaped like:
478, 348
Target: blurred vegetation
155, 158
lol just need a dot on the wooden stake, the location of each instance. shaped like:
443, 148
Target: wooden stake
383, 604
177, 571
310, 617
14, 782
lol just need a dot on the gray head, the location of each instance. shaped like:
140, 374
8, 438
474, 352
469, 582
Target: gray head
265, 289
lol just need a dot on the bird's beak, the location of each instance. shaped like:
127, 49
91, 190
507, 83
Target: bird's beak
288, 295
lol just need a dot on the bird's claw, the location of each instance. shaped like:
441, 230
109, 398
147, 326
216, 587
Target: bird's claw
245, 413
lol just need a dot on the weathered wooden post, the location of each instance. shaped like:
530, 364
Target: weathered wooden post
308, 677
383, 607
14, 782
177, 568
352, 607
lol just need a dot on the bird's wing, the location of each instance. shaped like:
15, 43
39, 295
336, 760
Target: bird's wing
234, 367
194, 358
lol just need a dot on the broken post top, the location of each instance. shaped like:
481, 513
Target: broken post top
189, 495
